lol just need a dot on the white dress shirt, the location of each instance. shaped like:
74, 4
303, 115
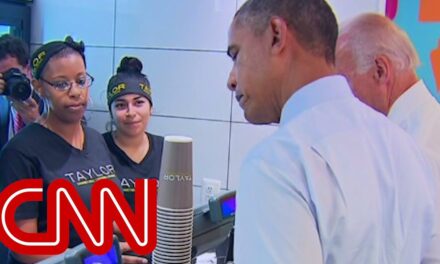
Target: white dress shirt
417, 112
336, 183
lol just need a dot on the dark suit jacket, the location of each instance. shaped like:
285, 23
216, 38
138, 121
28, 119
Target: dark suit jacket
4, 120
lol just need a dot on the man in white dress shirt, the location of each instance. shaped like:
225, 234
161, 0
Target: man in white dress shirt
380, 63
337, 182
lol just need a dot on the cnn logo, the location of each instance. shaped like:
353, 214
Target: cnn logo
95, 226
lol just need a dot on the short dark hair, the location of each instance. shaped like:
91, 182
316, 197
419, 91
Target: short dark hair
11, 46
312, 21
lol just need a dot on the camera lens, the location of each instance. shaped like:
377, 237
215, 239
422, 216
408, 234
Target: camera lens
21, 90
17, 84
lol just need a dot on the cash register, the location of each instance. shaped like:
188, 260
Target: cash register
213, 225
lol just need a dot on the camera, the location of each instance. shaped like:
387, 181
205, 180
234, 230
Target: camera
18, 85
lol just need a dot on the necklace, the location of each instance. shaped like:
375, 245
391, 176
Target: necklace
75, 140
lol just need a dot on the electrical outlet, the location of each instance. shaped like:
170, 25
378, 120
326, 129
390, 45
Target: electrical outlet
210, 187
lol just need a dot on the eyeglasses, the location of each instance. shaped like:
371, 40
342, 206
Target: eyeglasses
82, 82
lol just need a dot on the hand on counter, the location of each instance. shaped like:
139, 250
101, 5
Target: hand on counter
130, 259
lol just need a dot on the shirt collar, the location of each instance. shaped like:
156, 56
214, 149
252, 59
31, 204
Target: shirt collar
409, 101
322, 90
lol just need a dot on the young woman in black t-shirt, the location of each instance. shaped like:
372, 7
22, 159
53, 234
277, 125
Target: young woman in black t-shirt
136, 153
58, 146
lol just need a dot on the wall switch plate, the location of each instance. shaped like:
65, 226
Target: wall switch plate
210, 187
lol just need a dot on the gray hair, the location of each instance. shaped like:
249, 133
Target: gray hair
370, 35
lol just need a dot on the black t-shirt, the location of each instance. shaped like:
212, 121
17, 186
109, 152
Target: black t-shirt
38, 153
128, 170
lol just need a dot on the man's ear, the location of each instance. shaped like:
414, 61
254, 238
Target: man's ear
278, 34
28, 71
382, 73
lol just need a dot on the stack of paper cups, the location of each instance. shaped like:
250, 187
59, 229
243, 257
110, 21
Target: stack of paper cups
175, 203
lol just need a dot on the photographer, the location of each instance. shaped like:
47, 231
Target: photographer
18, 104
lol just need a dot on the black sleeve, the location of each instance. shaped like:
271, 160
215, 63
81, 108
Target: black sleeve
14, 166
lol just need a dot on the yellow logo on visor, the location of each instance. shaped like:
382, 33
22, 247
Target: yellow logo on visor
117, 89
39, 59
145, 88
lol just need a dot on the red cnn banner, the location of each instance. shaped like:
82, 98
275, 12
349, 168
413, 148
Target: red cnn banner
95, 227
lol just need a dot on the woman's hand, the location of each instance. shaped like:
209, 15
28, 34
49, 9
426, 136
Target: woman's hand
130, 259
29, 226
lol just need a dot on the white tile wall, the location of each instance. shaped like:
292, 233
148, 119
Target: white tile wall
97, 120
210, 144
33, 48
181, 44
89, 20
99, 65
189, 24
186, 83
197, 191
237, 111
